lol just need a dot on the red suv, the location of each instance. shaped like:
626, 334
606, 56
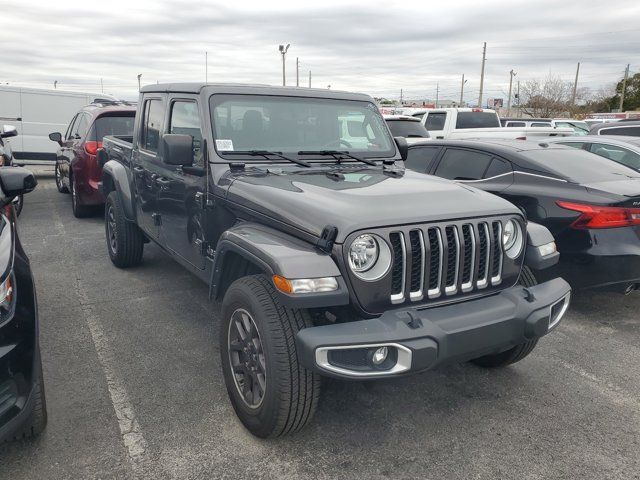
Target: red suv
77, 170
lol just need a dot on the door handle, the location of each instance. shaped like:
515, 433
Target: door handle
162, 182
138, 170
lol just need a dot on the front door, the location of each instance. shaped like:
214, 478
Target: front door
147, 166
179, 191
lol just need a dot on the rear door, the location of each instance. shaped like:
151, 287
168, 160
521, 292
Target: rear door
146, 165
420, 158
181, 188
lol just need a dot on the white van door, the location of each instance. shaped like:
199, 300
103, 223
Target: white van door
10, 115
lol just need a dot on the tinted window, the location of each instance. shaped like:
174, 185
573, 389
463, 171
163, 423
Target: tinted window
81, 126
631, 131
185, 120
579, 166
70, 130
112, 126
152, 126
540, 124
407, 128
435, 121
618, 154
497, 167
572, 144
463, 165
477, 120
419, 158
516, 124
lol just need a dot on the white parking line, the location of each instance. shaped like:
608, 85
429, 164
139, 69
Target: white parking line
132, 436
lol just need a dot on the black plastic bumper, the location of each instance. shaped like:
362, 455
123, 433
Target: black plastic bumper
446, 334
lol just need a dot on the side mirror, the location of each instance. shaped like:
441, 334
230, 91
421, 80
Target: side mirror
16, 181
8, 131
176, 149
56, 137
102, 157
403, 147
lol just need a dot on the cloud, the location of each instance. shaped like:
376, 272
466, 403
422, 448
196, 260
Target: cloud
371, 46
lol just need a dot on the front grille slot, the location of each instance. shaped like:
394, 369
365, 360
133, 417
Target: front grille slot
445, 260
398, 271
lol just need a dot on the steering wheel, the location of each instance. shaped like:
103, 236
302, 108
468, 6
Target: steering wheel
337, 143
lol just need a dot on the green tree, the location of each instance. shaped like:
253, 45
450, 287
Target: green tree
631, 96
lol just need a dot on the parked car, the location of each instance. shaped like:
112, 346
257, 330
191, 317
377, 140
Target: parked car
579, 127
23, 411
590, 204
410, 128
627, 128
623, 150
594, 121
458, 123
328, 257
77, 170
37, 111
6, 160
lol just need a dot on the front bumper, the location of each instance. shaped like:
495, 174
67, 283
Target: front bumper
422, 339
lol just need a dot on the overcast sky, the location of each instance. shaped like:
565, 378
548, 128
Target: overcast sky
370, 46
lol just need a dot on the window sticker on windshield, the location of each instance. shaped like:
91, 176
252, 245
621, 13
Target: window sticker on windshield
224, 145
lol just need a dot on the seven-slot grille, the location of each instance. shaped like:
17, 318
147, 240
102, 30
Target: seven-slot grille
430, 262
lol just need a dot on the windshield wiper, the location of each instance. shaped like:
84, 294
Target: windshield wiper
266, 154
335, 154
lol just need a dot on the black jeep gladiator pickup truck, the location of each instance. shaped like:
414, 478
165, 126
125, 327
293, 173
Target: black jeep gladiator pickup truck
328, 256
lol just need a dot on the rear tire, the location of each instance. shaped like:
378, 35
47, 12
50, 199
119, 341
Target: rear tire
517, 353
125, 240
288, 394
59, 184
79, 211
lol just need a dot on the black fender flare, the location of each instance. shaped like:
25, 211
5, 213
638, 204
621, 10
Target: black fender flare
276, 253
538, 235
115, 177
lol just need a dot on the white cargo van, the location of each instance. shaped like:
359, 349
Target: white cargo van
36, 113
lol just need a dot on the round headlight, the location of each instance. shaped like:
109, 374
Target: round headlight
512, 239
363, 253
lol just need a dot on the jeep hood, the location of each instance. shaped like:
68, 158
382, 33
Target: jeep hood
362, 199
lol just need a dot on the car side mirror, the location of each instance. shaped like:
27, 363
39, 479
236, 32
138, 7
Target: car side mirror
16, 181
56, 137
176, 149
403, 147
8, 131
102, 157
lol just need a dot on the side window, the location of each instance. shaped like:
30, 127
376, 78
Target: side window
67, 135
419, 159
516, 124
185, 120
82, 125
631, 131
463, 165
618, 154
540, 124
152, 126
572, 144
435, 121
497, 167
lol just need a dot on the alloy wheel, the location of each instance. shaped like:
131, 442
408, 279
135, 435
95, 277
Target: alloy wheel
111, 230
246, 358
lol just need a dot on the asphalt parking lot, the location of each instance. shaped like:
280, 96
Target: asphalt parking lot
134, 387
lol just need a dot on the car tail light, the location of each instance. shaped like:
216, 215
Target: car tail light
477, 110
92, 147
595, 216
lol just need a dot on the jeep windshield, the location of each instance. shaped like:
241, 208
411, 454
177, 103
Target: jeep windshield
289, 125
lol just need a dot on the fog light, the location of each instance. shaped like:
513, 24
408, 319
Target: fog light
380, 355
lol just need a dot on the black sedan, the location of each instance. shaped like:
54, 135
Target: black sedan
23, 411
590, 204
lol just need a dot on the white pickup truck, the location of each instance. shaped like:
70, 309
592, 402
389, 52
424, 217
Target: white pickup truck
458, 123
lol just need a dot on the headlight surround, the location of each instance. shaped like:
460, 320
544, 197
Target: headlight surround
512, 238
369, 257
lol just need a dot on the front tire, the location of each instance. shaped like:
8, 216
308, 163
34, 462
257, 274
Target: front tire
125, 241
517, 353
272, 394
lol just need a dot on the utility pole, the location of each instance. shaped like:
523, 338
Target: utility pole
283, 51
511, 75
518, 97
55, 84
484, 59
297, 72
309, 78
139, 77
575, 87
462, 90
101, 86
400, 97
624, 87
206, 67
437, 93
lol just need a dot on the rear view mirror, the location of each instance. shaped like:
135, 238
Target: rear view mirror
176, 149
8, 131
56, 137
16, 181
403, 147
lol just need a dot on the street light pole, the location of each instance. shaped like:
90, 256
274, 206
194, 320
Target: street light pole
484, 59
511, 75
624, 88
283, 51
139, 77
462, 90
